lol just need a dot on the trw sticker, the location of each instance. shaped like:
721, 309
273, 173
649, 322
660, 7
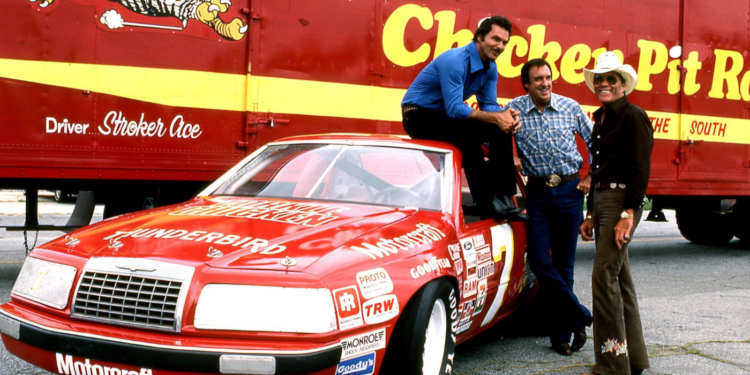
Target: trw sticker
380, 309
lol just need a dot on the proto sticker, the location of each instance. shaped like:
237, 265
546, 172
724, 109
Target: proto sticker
374, 282
380, 309
364, 343
481, 296
348, 307
362, 365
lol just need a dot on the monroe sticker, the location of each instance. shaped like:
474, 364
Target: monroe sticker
364, 343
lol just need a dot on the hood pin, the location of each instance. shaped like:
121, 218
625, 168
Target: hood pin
288, 262
214, 253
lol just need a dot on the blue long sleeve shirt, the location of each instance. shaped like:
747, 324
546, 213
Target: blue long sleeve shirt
454, 76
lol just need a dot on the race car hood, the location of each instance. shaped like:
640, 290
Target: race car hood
249, 233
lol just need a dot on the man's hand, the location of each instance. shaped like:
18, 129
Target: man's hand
585, 184
587, 229
509, 121
517, 163
622, 232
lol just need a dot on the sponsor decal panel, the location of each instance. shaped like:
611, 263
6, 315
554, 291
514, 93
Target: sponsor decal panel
347, 307
374, 282
380, 309
485, 270
481, 296
467, 312
484, 254
422, 235
362, 365
467, 246
463, 328
68, 366
364, 343
459, 266
429, 266
470, 287
305, 214
455, 250
478, 240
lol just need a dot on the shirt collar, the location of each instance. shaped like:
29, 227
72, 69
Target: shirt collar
530, 103
475, 62
615, 107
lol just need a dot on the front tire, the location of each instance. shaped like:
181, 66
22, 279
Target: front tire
424, 340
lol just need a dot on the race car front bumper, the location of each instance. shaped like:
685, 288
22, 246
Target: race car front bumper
162, 357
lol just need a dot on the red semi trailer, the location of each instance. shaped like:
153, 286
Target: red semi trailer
134, 99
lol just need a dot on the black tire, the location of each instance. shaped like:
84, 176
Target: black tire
705, 227
407, 353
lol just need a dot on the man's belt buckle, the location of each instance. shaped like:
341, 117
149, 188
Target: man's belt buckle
553, 180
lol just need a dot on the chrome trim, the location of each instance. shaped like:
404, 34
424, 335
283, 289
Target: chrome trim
10, 327
146, 268
172, 347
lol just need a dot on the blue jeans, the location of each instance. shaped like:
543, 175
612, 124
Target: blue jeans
555, 214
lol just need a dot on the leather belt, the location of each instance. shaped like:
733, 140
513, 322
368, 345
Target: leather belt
554, 180
608, 185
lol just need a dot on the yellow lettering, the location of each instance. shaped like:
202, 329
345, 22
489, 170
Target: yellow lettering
446, 39
550, 51
516, 45
745, 86
691, 85
394, 31
721, 75
673, 84
575, 59
650, 51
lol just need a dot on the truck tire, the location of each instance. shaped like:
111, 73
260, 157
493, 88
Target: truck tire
423, 342
704, 227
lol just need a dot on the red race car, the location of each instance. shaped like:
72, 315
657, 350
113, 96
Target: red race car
331, 254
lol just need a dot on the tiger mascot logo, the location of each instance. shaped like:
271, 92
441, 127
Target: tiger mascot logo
206, 11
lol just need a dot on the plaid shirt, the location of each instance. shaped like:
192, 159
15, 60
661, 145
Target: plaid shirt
546, 141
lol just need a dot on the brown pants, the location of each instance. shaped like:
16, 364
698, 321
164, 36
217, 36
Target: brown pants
618, 336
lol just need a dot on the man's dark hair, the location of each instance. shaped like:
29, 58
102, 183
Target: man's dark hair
486, 26
539, 62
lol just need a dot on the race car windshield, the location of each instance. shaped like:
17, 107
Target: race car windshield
357, 174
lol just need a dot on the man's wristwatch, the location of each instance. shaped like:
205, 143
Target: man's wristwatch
626, 215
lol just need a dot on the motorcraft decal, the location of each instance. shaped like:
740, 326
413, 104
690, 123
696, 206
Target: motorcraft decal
364, 343
66, 365
305, 214
256, 245
424, 234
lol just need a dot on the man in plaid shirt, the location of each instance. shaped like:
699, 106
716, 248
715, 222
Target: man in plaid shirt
546, 144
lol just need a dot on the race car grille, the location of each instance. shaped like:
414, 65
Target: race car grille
129, 300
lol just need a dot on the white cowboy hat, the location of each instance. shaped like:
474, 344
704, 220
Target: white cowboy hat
609, 62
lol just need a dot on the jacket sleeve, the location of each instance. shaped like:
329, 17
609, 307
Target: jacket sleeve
638, 146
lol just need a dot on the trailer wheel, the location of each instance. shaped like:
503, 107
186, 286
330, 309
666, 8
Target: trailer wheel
423, 341
704, 227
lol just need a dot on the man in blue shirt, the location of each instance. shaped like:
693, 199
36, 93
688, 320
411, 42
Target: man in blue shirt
433, 108
554, 197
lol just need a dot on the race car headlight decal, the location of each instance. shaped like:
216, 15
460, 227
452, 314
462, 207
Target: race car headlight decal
45, 282
265, 308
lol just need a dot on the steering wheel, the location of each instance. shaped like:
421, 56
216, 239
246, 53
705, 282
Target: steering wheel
395, 195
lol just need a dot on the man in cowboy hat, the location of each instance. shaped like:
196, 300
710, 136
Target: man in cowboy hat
433, 108
554, 197
622, 140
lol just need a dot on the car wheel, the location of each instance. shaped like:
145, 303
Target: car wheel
704, 227
424, 340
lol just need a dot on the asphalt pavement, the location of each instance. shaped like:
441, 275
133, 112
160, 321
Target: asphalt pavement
694, 302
